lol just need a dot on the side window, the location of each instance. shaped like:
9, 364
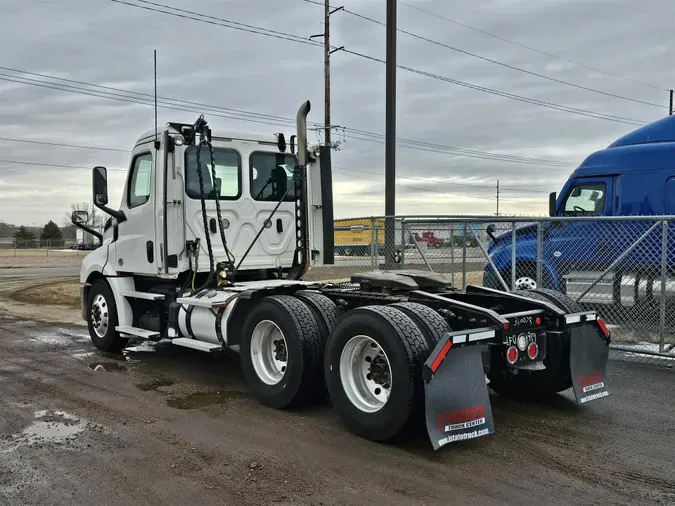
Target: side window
586, 199
228, 174
271, 176
141, 180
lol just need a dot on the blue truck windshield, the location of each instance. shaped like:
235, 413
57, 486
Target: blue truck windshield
586, 199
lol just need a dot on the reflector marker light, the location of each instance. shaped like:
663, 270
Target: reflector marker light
444, 351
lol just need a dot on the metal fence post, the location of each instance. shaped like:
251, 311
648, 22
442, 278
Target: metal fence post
48, 245
403, 232
664, 273
452, 254
540, 247
464, 256
373, 244
513, 256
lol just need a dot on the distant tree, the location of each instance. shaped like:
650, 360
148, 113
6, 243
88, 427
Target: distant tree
24, 238
6, 230
51, 232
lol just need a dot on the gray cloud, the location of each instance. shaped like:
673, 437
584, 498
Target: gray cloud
111, 44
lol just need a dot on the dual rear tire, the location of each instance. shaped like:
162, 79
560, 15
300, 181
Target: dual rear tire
295, 350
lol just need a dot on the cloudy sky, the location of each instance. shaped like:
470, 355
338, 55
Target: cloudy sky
111, 44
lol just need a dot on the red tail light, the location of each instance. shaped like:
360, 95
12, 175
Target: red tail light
506, 326
603, 327
512, 355
532, 351
538, 321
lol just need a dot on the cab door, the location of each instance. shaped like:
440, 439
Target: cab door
136, 247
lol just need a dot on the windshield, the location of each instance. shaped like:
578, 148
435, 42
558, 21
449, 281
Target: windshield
228, 173
587, 199
272, 175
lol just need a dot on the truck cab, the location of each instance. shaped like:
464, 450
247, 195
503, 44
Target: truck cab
635, 175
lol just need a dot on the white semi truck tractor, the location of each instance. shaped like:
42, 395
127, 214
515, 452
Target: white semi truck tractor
208, 249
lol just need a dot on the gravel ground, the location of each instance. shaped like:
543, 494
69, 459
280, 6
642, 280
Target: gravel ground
165, 425
39, 261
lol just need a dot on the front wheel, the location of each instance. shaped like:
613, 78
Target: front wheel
373, 368
102, 318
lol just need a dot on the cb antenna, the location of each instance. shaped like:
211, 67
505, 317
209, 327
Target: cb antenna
155, 77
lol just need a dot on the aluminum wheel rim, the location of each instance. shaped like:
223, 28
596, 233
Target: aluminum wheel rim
525, 283
99, 315
365, 373
269, 353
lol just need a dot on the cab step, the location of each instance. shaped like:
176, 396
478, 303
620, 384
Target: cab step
196, 345
153, 335
142, 295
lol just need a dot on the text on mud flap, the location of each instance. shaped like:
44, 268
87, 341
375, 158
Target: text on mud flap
461, 419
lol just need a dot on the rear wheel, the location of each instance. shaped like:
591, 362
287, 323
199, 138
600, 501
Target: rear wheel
280, 352
373, 368
102, 318
432, 324
534, 385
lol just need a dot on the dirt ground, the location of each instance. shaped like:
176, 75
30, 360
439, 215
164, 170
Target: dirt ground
160, 424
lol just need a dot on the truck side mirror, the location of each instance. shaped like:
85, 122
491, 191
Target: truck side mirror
552, 204
100, 185
79, 217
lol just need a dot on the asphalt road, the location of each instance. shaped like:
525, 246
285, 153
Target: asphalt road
165, 425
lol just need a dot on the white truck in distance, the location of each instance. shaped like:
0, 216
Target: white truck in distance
208, 248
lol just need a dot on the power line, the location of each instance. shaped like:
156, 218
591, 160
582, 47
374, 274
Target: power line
551, 55
30, 141
262, 31
20, 162
117, 94
502, 64
542, 103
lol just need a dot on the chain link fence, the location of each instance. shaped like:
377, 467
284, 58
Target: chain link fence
622, 267
42, 247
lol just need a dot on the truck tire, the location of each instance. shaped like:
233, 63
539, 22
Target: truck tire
431, 324
535, 385
102, 318
280, 352
324, 310
384, 402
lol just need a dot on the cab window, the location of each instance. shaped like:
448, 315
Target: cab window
586, 199
227, 185
141, 180
272, 176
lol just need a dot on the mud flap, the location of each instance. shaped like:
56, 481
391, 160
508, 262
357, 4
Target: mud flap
457, 403
588, 363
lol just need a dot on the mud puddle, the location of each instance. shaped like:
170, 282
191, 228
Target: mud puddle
154, 384
50, 427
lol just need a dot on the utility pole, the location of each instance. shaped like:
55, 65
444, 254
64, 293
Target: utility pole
390, 133
497, 197
326, 65
326, 69
671, 103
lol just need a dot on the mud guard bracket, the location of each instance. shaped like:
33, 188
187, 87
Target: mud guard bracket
457, 404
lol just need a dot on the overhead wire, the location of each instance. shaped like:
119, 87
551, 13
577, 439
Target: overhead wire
260, 31
89, 89
551, 55
502, 64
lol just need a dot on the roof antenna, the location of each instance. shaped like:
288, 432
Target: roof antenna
155, 73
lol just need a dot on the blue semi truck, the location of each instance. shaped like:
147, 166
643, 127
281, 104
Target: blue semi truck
635, 175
